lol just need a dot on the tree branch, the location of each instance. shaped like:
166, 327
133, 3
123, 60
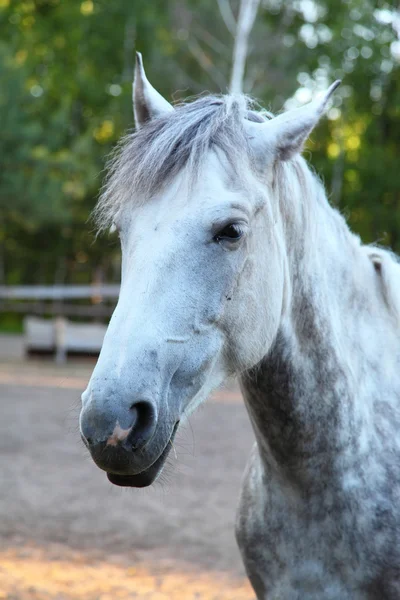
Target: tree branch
227, 16
247, 15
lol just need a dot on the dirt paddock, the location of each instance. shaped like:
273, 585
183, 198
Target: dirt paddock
67, 534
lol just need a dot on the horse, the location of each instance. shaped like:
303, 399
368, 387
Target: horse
235, 264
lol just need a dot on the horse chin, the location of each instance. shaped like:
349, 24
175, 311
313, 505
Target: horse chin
149, 475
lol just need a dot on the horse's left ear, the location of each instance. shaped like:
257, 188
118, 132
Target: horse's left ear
147, 102
284, 135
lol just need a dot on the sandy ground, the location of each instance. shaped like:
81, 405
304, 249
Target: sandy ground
66, 533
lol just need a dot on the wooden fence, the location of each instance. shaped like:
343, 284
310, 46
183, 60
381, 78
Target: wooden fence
58, 334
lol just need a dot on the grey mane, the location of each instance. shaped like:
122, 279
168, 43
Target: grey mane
145, 160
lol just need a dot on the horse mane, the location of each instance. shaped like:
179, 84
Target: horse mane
146, 159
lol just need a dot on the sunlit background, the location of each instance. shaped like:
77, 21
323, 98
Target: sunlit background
65, 100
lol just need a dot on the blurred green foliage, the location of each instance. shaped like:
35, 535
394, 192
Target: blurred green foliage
65, 99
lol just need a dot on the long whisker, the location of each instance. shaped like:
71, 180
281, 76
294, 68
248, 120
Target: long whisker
174, 449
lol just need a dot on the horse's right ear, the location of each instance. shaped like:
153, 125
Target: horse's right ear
147, 102
283, 136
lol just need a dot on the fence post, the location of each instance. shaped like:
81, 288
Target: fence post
60, 331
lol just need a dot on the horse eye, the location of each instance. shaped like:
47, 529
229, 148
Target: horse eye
232, 233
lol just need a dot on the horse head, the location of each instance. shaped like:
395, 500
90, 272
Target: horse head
204, 279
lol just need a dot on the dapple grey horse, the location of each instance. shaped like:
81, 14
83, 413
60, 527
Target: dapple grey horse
234, 263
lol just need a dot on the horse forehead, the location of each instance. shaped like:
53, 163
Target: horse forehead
217, 176
212, 193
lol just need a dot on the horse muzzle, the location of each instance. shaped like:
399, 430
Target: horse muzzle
126, 441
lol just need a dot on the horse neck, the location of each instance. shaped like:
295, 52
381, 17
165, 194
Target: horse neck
303, 398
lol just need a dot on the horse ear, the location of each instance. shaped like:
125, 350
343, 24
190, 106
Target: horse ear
285, 134
147, 102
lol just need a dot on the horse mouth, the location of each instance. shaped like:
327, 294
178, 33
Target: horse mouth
149, 475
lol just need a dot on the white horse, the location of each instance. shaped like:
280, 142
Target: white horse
233, 262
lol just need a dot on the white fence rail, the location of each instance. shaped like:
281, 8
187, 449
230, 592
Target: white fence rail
60, 336
57, 292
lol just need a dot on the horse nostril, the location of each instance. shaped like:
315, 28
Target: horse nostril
144, 425
128, 425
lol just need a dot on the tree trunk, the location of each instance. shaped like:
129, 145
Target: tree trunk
247, 15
